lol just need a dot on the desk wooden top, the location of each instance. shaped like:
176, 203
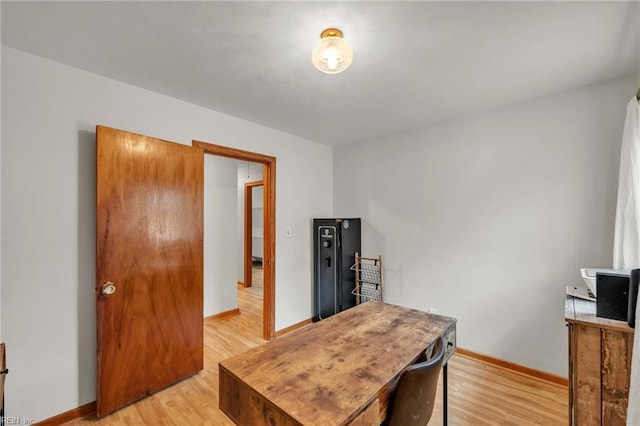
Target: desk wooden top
324, 374
580, 311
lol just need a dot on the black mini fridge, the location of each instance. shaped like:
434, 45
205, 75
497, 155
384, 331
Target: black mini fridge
335, 243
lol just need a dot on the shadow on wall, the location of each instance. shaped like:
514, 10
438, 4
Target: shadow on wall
86, 264
374, 244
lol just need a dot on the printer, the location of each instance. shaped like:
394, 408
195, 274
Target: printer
616, 292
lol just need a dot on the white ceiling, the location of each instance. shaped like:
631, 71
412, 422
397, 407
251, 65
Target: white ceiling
415, 63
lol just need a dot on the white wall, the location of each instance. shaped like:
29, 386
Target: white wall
488, 218
220, 240
49, 113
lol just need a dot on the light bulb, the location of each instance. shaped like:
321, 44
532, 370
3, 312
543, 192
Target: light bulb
332, 57
333, 53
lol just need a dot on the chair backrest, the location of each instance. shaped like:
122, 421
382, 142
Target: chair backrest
414, 397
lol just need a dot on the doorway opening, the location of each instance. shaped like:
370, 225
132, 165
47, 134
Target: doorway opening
253, 259
268, 229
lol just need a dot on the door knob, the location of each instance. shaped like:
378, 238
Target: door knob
108, 288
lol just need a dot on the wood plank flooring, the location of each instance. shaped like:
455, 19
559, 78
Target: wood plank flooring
479, 393
250, 304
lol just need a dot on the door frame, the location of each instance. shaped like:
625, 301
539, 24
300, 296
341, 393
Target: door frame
248, 230
269, 261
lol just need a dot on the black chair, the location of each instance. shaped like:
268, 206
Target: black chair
412, 402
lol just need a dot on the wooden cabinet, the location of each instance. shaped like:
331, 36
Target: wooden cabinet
599, 366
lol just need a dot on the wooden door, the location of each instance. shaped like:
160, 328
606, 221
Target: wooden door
149, 245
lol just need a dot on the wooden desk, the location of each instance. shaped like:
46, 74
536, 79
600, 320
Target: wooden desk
599, 365
337, 371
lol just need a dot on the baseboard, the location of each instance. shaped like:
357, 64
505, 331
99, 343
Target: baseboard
86, 410
293, 327
221, 315
543, 375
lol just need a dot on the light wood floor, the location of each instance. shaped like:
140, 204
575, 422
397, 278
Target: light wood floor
479, 393
250, 303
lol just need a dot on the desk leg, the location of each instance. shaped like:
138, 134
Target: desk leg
444, 395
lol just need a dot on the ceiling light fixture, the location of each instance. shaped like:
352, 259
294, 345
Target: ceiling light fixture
333, 54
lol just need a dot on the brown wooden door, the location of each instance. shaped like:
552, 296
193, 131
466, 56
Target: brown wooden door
149, 245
